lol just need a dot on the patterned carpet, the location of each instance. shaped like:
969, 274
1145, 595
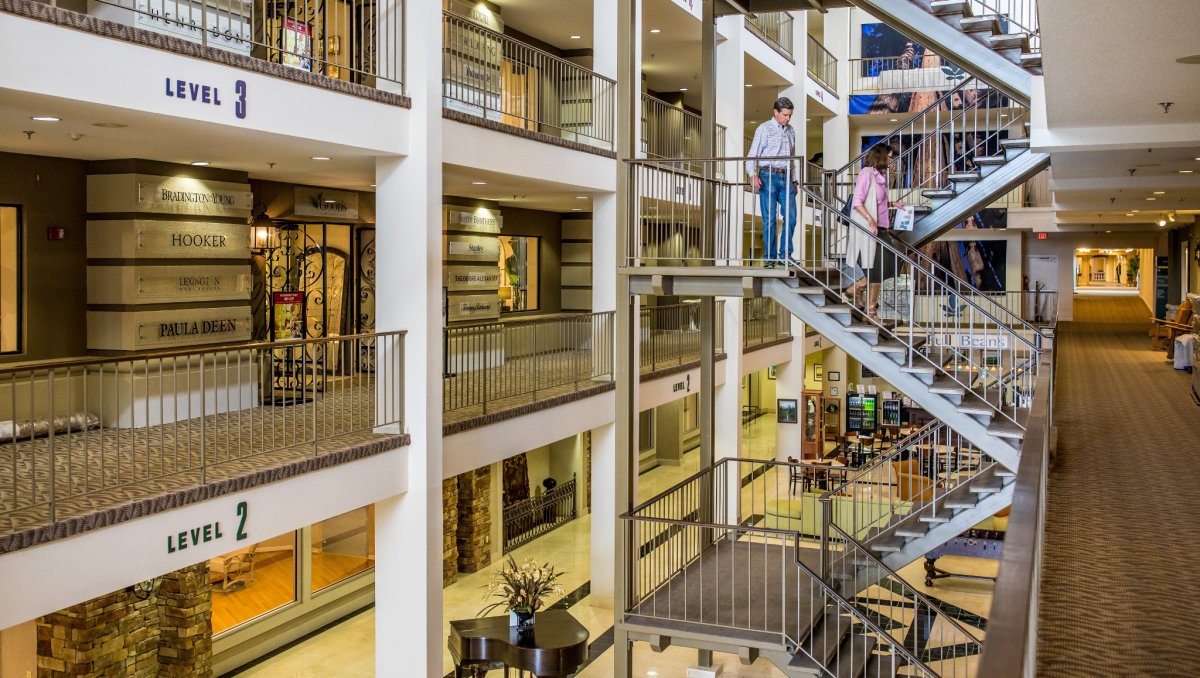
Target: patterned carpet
1119, 585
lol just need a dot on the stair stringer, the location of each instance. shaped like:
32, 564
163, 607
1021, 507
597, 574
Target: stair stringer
1003, 179
888, 370
960, 522
973, 56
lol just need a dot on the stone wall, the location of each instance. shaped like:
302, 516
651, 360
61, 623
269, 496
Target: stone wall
449, 531
162, 628
474, 520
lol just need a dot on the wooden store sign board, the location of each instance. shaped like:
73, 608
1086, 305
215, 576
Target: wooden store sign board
472, 278
472, 248
107, 193
473, 221
138, 330
166, 284
153, 239
474, 307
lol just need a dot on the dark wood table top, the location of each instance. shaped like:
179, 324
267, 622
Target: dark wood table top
556, 646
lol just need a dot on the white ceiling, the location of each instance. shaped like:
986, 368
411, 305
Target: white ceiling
513, 191
1106, 70
551, 22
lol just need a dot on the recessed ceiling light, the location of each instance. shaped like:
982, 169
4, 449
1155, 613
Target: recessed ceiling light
201, 163
682, 89
1160, 193
576, 209
581, 197
45, 118
656, 30
576, 37
479, 183
1108, 231
1135, 210
1151, 199
1189, 59
372, 185
893, 119
109, 125
320, 157
1186, 171
1003, 115
1129, 214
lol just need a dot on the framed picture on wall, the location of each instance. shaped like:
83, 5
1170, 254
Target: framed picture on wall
867, 373
788, 411
771, 372
818, 371
835, 376
833, 392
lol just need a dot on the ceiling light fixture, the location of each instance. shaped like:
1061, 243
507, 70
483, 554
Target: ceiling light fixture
46, 118
1187, 171
581, 197
479, 183
1129, 214
1108, 231
576, 209
893, 119
321, 157
1162, 222
576, 37
682, 89
1151, 199
1160, 193
656, 30
372, 185
1135, 210
201, 163
749, 85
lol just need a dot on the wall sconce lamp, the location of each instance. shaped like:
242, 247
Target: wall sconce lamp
264, 234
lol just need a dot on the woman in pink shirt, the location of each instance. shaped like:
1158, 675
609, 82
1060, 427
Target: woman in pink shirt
876, 218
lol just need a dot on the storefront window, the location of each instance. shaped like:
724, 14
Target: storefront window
10, 279
252, 581
691, 411
518, 273
646, 430
343, 546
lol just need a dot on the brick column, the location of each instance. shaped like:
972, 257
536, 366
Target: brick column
449, 531
112, 635
184, 603
474, 520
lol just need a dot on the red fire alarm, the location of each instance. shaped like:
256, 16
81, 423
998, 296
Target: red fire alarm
1042, 235
56, 233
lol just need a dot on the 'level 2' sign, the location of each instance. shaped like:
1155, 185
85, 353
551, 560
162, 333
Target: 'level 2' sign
207, 94
209, 532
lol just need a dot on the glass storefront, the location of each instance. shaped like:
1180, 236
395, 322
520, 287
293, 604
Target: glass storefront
252, 581
343, 546
519, 273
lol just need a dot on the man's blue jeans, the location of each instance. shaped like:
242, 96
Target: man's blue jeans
777, 197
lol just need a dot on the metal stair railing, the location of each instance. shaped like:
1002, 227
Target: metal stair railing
960, 345
909, 480
968, 122
949, 649
709, 533
1015, 16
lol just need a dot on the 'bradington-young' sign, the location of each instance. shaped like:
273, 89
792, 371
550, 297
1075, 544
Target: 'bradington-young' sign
150, 238
321, 202
167, 195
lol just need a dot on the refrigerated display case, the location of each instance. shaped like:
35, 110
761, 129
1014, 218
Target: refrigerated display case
889, 415
862, 410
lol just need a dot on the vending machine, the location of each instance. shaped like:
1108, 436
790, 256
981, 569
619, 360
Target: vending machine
862, 410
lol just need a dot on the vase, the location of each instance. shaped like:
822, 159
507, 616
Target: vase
524, 620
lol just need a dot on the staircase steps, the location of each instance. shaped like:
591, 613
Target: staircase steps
1032, 60
887, 545
939, 193
853, 654
1009, 144
910, 532
1008, 430
1009, 41
883, 666
987, 487
827, 636
934, 519
960, 504
980, 24
948, 7
965, 177
983, 160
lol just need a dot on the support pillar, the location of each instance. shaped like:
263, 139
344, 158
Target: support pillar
408, 527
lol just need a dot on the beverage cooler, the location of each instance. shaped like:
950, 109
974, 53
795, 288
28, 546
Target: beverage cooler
890, 414
862, 411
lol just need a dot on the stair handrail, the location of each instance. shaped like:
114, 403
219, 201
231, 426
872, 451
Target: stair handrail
1021, 13
847, 539
834, 219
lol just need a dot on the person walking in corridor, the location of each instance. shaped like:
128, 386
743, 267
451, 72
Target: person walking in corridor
776, 180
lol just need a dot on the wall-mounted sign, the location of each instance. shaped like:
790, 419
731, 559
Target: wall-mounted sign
473, 307
322, 202
223, 27
967, 341
137, 330
472, 248
234, 526
149, 238
470, 278
479, 220
287, 315
478, 13
166, 284
167, 195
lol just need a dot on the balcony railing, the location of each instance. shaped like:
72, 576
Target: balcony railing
822, 65
672, 132
82, 434
496, 366
359, 43
764, 322
905, 73
530, 518
775, 28
671, 335
492, 76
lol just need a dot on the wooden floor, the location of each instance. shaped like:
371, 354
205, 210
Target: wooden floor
274, 585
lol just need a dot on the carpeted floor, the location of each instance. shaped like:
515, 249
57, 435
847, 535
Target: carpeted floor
1120, 590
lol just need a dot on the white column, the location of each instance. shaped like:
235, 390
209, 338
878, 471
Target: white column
408, 528
838, 149
604, 252
604, 514
789, 383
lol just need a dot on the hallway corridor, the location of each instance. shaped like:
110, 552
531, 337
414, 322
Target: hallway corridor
1119, 590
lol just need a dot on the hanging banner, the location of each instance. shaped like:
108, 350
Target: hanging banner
287, 315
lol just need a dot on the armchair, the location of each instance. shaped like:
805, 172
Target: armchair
1163, 331
234, 569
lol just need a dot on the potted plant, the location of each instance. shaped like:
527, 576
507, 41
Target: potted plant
521, 590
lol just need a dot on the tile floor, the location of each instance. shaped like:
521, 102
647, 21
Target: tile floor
347, 650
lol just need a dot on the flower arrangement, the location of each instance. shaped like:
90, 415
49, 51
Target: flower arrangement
521, 588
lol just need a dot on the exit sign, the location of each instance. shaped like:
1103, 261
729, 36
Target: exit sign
1042, 236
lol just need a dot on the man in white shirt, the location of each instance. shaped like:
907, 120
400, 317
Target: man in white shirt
776, 181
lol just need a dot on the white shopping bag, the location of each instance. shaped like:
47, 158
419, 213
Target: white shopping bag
905, 216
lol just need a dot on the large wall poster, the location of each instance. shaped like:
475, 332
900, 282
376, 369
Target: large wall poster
983, 263
904, 76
